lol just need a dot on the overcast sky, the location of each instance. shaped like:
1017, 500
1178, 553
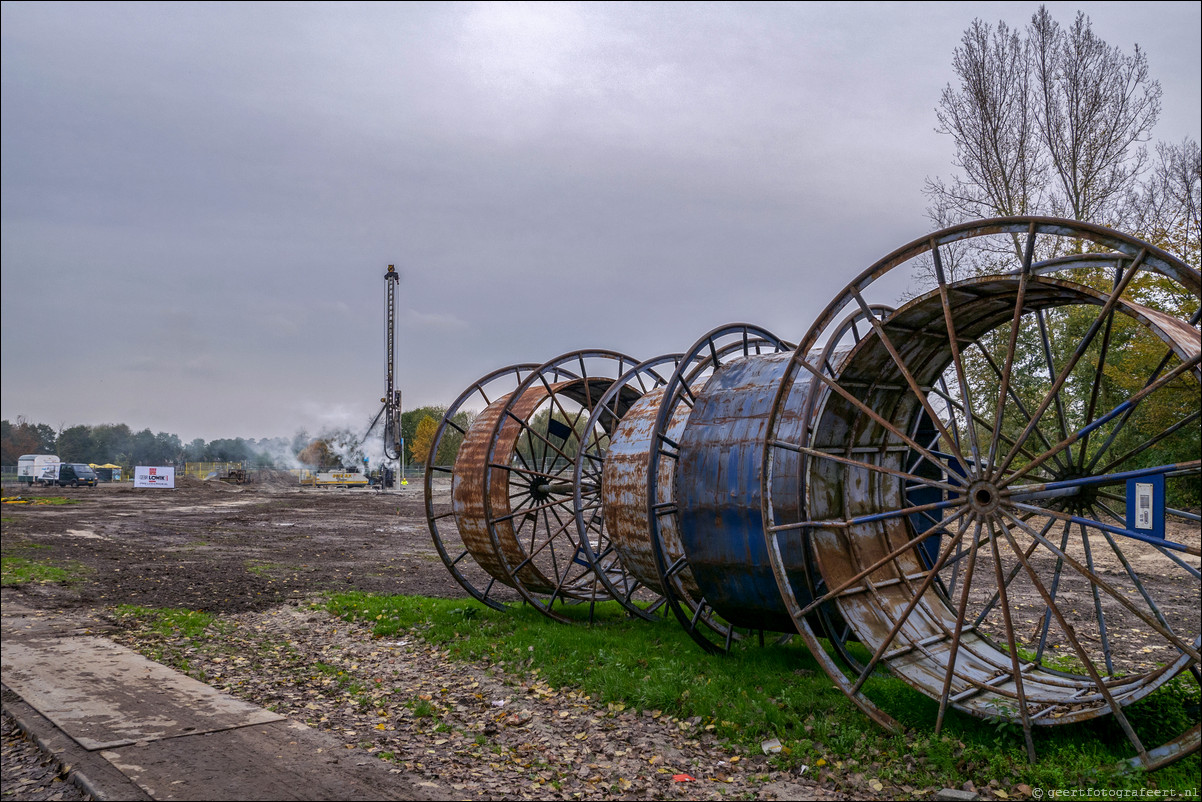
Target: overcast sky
200, 201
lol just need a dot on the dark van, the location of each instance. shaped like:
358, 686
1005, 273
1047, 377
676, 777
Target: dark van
75, 474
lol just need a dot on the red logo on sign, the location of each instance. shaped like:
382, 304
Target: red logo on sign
152, 471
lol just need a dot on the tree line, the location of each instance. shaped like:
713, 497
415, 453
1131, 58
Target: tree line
119, 444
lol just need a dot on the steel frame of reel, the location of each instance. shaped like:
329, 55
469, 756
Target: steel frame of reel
613, 529
543, 482
486, 389
686, 602
1019, 462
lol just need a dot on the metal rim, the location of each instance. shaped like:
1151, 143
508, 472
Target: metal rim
531, 499
599, 541
1012, 466
703, 624
447, 539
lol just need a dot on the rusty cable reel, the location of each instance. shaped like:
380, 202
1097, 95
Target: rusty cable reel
1047, 442
531, 499
458, 533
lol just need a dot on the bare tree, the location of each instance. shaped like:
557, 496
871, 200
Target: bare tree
1096, 106
1047, 121
991, 118
1166, 209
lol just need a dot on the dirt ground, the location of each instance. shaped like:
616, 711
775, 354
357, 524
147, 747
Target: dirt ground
225, 548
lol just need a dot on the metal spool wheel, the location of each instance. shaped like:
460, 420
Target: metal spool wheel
614, 539
677, 579
448, 539
839, 343
531, 500
1041, 580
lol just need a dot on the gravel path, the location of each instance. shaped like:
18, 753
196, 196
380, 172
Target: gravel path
484, 732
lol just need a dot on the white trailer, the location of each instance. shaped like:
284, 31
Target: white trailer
32, 467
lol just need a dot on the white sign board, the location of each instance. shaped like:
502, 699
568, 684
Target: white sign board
154, 477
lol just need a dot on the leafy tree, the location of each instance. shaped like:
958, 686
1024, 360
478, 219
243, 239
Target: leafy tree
423, 439
75, 444
24, 438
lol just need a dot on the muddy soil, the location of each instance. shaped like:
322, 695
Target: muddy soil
225, 549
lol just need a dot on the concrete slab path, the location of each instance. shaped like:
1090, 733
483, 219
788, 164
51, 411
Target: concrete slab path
130, 728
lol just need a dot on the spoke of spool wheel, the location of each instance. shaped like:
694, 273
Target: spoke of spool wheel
947, 397
915, 598
1191, 570
1071, 364
549, 544
698, 613
1011, 644
1061, 421
515, 513
978, 419
960, 614
1097, 603
905, 372
1011, 347
1070, 634
864, 408
544, 440
1046, 618
1097, 379
925, 481
1164, 363
1020, 406
864, 519
1121, 598
1014, 571
957, 362
908, 545
1186, 421
1131, 402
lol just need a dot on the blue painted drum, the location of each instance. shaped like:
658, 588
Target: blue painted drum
718, 489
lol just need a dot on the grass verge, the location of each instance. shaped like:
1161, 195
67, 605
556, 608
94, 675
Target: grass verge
779, 692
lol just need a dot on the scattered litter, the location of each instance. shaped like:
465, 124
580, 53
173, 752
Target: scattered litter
498, 703
770, 746
682, 778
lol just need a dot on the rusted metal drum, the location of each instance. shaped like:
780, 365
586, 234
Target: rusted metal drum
624, 493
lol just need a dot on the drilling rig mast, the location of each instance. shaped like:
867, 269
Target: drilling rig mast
393, 443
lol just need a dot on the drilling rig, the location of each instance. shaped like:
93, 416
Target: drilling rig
394, 443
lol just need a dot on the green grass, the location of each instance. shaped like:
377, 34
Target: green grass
24, 571
169, 622
780, 692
